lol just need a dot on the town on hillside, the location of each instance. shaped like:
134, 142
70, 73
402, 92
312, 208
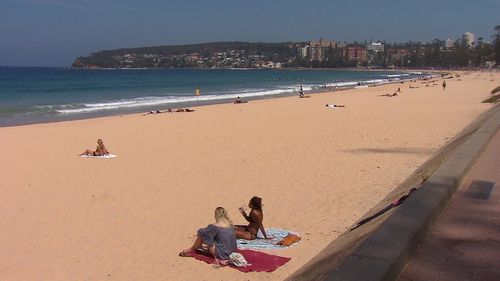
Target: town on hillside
322, 53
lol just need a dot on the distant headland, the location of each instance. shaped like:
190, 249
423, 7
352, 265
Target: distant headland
312, 54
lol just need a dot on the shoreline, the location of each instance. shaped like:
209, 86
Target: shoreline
30, 120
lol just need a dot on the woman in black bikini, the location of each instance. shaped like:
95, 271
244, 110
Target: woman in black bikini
255, 218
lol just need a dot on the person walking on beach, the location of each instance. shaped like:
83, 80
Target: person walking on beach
301, 92
444, 85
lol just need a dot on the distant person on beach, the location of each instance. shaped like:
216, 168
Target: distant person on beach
254, 218
331, 105
301, 92
444, 85
100, 150
154, 112
389, 95
183, 110
238, 100
218, 237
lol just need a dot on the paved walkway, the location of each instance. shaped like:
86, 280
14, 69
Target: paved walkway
464, 244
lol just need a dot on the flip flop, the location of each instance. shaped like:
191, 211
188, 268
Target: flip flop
185, 254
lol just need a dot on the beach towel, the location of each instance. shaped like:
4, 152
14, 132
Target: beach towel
266, 244
100, 156
258, 261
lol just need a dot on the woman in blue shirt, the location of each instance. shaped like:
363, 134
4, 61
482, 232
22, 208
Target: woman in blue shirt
219, 237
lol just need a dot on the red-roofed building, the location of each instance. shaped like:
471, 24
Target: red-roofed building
354, 53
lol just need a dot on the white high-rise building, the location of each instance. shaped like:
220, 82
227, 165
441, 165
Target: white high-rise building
468, 39
375, 47
448, 43
304, 51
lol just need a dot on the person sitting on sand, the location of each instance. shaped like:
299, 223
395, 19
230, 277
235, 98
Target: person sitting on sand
255, 218
388, 95
100, 150
238, 100
331, 105
218, 237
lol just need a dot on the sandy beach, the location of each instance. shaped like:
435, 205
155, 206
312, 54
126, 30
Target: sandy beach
317, 169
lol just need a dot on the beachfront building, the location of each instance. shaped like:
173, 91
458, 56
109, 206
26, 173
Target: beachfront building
318, 49
304, 51
375, 47
354, 53
468, 39
448, 43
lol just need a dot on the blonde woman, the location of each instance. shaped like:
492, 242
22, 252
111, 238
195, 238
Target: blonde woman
99, 150
219, 237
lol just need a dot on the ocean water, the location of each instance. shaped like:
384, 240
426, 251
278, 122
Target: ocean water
34, 95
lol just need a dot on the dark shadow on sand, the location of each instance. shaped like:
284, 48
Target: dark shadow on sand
394, 150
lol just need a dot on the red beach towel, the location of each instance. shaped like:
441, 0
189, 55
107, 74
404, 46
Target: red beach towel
261, 262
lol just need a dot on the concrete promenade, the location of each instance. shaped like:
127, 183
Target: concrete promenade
464, 244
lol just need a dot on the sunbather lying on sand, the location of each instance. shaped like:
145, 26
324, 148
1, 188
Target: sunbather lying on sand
255, 218
169, 110
218, 237
331, 105
100, 150
154, 112
388, 95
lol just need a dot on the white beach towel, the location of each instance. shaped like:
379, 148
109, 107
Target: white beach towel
263, 244
100, 156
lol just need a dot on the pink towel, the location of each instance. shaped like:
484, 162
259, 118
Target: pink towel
260, 261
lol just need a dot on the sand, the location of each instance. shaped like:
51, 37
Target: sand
317, 169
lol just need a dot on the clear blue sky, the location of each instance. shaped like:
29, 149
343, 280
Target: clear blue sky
54, 32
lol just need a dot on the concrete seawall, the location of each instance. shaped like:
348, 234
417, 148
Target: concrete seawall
380, 249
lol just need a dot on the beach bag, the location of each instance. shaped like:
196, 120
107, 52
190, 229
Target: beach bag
238, 260
289, 239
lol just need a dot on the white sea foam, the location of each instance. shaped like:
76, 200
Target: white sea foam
173, 100
170, 100
396, 75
